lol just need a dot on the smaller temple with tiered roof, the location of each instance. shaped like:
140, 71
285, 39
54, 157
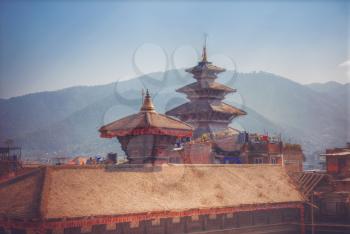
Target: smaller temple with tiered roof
147, 137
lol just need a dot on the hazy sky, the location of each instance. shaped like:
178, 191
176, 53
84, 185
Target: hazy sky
52, 45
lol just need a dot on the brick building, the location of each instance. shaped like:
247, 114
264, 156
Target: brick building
336, 205
193, 153
261, 149
293, 158
329, 193
10, 161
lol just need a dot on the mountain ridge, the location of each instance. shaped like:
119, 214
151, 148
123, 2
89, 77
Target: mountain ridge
66, 121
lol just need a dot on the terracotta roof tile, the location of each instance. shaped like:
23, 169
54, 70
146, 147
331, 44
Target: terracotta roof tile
146, 120
199, 106
205, 85
20, 196
95, 191
205, 66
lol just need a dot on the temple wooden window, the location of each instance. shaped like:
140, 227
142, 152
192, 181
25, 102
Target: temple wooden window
111, 226
86, 229
155, 222
134, 224
176, 220
195, 218
61, 231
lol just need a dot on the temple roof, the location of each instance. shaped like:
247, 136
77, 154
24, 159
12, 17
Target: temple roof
205, 85
85, 191
205, 66
198, 106
147, 121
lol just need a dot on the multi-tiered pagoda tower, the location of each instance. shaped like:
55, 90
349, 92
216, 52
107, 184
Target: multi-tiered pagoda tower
205, 111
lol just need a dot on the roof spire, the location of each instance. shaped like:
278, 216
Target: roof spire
147, 103
204, 53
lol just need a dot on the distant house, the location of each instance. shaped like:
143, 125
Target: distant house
293, 158
10, 161
329, 192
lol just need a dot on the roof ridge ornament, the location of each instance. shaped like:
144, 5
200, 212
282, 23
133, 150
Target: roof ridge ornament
147, 103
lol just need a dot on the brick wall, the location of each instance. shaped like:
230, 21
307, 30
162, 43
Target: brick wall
216, 220
241, 222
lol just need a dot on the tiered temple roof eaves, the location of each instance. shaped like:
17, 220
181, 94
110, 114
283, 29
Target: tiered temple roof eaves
208, 85
199, 107
205, 66
147, 121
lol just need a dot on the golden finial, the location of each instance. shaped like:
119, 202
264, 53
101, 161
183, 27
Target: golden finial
147, 103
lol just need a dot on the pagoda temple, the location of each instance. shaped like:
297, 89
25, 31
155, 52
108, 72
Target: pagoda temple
205, 111
147, 137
